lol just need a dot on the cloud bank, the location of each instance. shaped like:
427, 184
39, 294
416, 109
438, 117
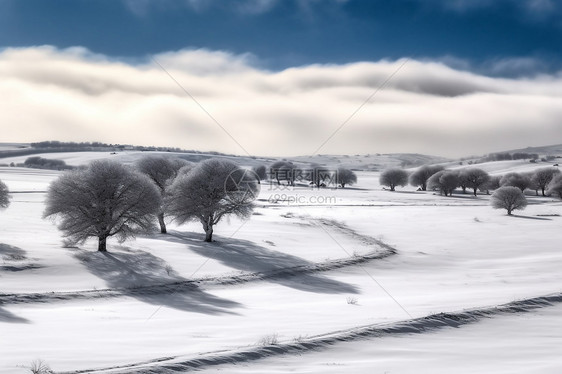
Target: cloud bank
427, 107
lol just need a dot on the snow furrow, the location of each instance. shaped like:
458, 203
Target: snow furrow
168, 365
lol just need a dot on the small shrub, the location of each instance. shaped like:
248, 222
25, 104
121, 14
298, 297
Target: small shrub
169, 269
271, 339
352, 300
40, 367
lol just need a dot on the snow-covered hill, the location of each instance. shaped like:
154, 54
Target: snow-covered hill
315, 263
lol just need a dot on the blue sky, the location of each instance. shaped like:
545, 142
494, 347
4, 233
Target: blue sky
282, 76
283, 33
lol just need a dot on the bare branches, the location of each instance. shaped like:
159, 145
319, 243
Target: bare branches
103, 200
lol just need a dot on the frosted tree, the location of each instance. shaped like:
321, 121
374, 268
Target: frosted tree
421, 175
283, 171
541, 178
4, 195
214, 189
260, 171
162, 171
319, 175
509, 198
474, 178
103, 200
445, 181
555, 186
492, 184
515, 180
393, 177
345, 177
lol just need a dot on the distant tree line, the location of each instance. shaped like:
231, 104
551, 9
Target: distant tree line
511, 156
58, 146
37, 162
436, 178
315, 175
508, 189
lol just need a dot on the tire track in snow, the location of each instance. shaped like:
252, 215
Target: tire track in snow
433, 322
382, 251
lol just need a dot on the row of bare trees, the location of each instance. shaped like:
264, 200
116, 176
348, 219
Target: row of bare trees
109, 199
317, 175
546, 180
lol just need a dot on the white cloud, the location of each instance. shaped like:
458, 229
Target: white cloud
51, 94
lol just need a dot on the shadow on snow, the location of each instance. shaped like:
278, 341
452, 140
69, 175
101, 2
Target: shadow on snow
247, 256
11, 253
130, 270
9, 317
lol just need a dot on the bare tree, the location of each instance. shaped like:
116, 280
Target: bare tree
421, 175
532, 183
492, 184
474, 178
394, 177
542, 178
186, 169
555, 186
509, 198
260, 171
445, 181
4, 195
162, 171
515, 180
462, 182
103, 200
317, 174
214, 189
283, 170
345, 176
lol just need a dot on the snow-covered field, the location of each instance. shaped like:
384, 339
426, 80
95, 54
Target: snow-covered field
313, 264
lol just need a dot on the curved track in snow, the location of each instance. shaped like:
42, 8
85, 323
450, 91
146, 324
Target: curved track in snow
382, 251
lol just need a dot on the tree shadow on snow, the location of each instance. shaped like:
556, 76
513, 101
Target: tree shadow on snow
11, 253
247, 256
9, 317
147, 278
530, 217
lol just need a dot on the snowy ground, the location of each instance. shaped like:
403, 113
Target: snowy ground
81, 310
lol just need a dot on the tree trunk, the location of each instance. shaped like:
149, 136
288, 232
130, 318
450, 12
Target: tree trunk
542, 189
392, 187
475, 192
208, 227
424, 186
209, 234
162, 223
102, 243
508, 211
